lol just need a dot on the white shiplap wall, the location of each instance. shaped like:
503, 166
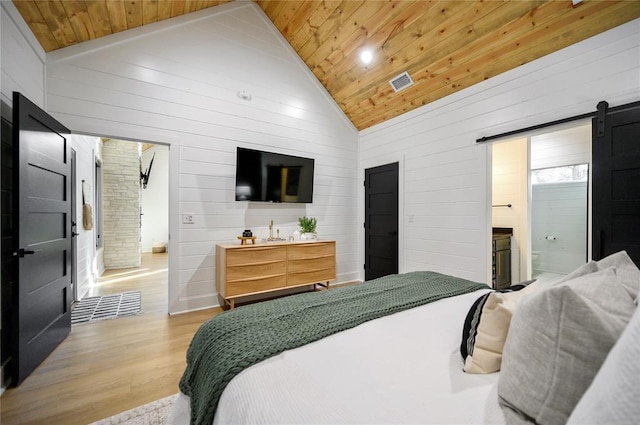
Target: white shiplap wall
85, 147
569, 146
22, 59
176, 82
446, 207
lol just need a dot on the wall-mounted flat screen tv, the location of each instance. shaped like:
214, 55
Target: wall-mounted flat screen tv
273, 177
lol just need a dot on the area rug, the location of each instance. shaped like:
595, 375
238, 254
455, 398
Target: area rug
154, 413
106, 307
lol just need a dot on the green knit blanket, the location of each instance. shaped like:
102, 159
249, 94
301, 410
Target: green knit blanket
236, 339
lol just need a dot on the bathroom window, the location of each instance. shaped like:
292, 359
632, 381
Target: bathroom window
567, 173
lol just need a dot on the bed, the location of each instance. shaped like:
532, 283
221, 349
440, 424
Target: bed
406, 366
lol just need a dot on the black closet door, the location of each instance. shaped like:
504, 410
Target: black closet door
381, 221
616, 181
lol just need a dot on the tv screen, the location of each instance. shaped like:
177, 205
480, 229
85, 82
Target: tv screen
273, 177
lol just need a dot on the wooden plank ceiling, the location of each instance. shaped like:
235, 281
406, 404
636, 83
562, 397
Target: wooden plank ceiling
444, 45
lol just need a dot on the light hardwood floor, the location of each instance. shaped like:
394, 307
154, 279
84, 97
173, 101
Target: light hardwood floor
107, 367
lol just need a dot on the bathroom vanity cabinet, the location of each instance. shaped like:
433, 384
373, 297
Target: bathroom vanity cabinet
501, 256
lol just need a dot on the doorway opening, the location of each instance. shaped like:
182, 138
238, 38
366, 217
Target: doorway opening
540, 190
126, 249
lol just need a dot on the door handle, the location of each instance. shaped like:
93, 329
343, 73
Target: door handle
22, 252
74, 234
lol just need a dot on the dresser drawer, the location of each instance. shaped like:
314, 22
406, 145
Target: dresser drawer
257, 270
311, 276
311, 250
256, 284
262, 254
310, 264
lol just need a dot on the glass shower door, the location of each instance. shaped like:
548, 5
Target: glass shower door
559, 198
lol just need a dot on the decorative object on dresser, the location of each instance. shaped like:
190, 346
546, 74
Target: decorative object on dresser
308, 228
243, 270
247, 235
272, 238
244, 239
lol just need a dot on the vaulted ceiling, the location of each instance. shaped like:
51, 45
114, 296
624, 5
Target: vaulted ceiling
444, 45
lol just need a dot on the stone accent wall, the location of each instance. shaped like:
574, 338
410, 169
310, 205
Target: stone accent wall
121, 204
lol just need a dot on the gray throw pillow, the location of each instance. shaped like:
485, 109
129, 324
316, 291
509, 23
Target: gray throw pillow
626, 270
614, 394
557, 341
585, 269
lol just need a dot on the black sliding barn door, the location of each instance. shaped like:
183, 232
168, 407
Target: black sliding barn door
42, 171
381, 221
616, 181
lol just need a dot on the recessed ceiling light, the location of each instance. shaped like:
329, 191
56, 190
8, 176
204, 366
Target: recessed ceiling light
366, 57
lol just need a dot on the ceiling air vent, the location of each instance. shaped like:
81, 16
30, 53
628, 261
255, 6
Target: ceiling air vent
400, 82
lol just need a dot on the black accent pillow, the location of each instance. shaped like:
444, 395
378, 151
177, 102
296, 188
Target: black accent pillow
472, 321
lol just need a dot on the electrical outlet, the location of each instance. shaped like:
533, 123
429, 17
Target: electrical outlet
187, 218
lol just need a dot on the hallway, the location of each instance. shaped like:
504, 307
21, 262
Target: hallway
151, 278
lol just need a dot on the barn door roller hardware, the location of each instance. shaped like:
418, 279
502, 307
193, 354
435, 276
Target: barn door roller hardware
601, 113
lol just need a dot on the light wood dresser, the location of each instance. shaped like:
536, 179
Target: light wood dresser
243, 270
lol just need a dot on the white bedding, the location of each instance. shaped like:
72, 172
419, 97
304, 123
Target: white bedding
404, 368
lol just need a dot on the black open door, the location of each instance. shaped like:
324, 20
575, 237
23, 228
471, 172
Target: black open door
74, 230
616, 181
9, 269
381, 221
42, 301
